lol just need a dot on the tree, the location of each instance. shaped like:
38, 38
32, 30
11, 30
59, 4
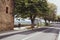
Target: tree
52, 12
30, 8
57, 18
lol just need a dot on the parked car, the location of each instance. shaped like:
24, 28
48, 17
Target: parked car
24, 22
21, 22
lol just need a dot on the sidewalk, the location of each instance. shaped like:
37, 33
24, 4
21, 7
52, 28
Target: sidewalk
16, 30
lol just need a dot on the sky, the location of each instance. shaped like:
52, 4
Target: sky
57, 2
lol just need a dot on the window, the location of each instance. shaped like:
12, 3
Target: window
6, 9
7, 0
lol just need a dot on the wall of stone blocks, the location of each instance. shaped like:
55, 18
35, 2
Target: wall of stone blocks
6, 18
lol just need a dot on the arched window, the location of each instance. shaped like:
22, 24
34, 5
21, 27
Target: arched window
6, 9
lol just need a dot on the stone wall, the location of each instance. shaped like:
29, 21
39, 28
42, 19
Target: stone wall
6, 15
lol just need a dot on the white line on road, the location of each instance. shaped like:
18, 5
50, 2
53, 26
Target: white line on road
33, 35
59, 36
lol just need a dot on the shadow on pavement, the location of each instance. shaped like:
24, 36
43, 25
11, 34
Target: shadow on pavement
50, 30
24, 32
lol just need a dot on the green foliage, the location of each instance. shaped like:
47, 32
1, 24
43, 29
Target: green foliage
52, 11
30, 8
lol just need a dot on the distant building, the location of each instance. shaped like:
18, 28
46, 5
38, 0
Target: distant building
6, 15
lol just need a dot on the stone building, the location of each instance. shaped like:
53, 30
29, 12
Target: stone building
6, 15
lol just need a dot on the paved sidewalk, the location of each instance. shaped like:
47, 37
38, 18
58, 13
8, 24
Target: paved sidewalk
10, 33
48, 33
17, 30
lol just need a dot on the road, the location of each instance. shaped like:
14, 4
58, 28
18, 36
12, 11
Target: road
49, 33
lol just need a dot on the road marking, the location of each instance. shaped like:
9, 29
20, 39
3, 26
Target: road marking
59, 36
33, 35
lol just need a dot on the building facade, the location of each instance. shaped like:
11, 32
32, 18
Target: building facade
6, 15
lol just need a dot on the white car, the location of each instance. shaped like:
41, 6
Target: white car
21, 22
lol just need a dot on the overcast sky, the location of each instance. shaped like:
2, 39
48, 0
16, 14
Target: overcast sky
57, 2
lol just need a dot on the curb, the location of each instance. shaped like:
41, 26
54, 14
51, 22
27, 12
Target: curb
4, 35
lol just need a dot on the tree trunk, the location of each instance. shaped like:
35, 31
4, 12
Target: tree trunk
32, 17
45, 22
49, 21
32, 23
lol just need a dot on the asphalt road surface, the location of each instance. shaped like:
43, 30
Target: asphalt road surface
49, 33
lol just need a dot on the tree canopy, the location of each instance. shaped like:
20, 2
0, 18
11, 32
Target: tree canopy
31, 8
52, 11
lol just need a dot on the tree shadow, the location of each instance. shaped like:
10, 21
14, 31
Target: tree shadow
52, 30
49, 30
24, 32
